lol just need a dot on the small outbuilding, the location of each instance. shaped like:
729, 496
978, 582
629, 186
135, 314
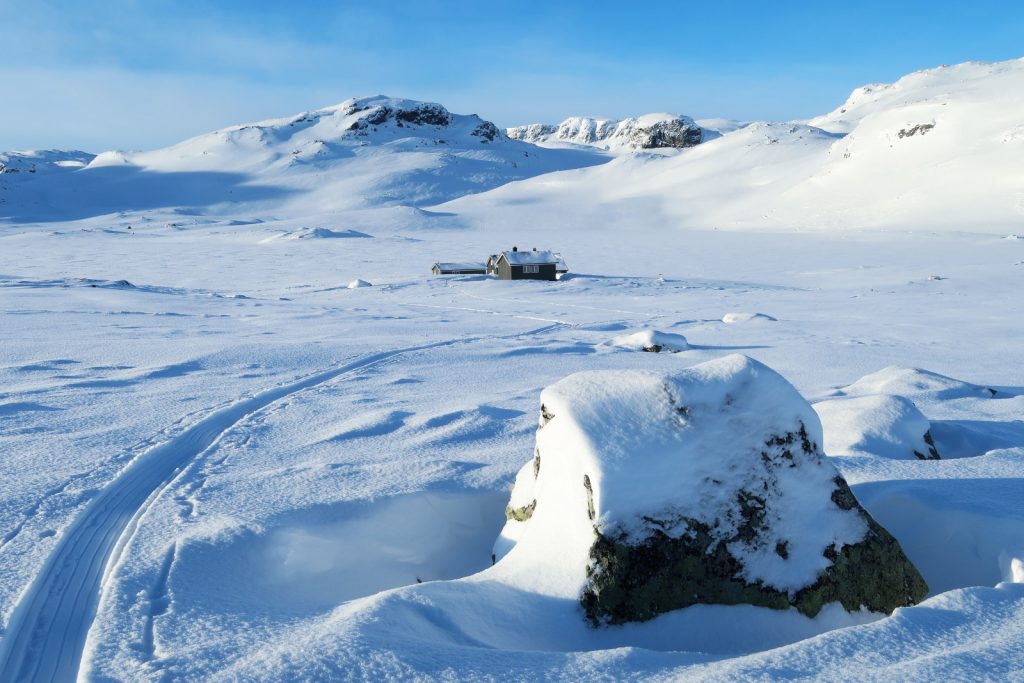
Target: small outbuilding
527, 265
459, 269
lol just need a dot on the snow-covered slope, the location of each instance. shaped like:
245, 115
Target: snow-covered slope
938, 149
650, 131
364, 152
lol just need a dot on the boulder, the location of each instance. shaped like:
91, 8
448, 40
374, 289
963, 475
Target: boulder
651, 492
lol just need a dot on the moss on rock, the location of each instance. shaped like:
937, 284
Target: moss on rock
520, 514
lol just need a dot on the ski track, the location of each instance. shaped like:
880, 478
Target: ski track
47, 632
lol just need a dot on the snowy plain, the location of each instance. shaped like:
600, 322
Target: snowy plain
223, 462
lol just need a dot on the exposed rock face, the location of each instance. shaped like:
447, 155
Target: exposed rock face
652, 131
921, 128
705, 486
415, 114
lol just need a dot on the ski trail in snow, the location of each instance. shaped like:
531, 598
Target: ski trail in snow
47, 632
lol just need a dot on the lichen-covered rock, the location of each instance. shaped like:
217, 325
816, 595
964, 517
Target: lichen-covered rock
659, 491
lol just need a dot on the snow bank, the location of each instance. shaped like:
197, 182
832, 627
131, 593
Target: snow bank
325, 233
886, 426
357, 284
650, 492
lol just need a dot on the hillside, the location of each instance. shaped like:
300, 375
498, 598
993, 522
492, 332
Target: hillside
364, 152
937, 150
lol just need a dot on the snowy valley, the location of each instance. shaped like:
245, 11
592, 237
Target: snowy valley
225, 462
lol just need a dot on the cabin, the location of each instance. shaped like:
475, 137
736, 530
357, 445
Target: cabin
527, 265
459, 269
492, 264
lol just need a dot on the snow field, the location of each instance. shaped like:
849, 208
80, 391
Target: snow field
148, 296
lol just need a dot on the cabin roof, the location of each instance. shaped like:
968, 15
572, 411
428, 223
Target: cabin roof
523, 258
459, 266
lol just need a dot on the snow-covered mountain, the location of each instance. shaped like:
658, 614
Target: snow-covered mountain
938, 149
364, 152
650, 131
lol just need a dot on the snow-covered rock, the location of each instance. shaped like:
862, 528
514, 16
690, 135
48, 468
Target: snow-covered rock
359, 284
652, 492
650, 131
882, 425
653, 341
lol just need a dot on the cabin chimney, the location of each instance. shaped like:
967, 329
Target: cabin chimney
515, 248
535, 248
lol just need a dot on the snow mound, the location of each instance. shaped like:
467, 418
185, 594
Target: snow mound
653, 341
731, 318
325, 233
914, 382
652, 492
886, 426
650, 131
358, 284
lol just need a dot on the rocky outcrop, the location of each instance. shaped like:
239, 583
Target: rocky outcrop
921, 128
703, 486
651, 131
416, 114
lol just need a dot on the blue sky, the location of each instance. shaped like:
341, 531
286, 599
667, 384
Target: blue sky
139, 74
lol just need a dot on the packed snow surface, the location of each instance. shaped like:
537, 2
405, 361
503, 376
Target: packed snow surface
227, 465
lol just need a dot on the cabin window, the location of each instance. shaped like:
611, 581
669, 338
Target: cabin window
531, 269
